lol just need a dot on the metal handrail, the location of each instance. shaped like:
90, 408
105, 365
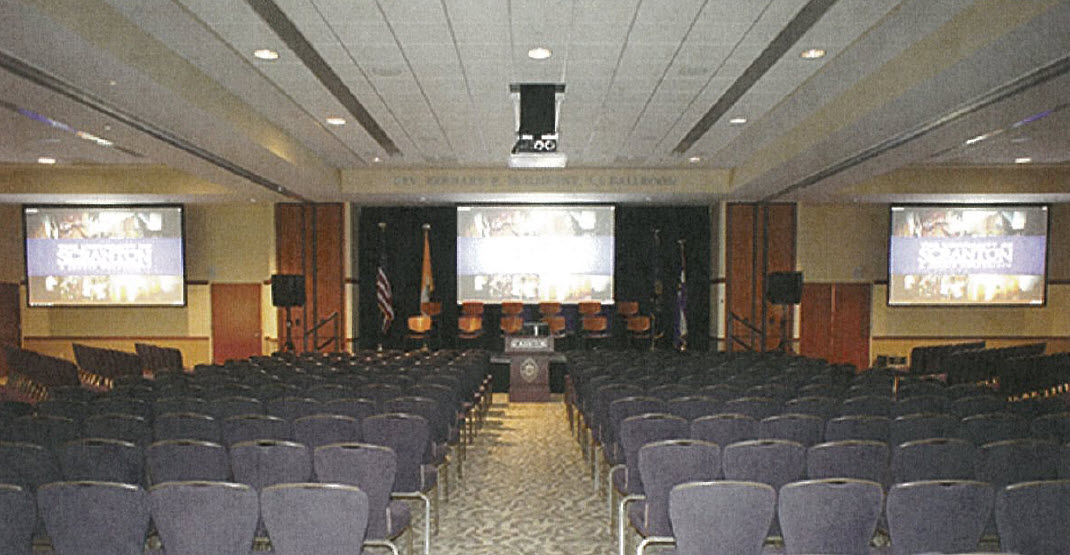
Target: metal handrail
335, 317
733, 318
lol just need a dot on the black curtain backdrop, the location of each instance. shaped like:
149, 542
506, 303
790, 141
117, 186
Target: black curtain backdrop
635, 261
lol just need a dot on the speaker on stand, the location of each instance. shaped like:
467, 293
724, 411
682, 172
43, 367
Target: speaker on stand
784, 288
288, 291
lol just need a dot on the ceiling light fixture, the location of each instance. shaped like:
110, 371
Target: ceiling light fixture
812, 53
336, 121
266, 54
46, 160
737, 121
377, 159
539, 53
1023, 160
694, 159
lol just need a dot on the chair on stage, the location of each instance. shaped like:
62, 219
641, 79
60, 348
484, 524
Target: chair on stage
433, 310
513, 308
470, 323
419, 330
594, 324
640, 328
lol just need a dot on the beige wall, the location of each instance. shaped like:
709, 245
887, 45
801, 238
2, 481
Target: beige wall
11, 256
225, 243
849, 242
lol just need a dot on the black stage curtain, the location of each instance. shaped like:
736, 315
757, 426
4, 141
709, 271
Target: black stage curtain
636, 259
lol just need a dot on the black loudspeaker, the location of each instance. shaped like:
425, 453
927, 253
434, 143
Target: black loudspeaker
784, 287
288, 290
538, 107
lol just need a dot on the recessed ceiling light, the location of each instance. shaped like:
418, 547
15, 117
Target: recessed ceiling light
336, 121
737, 121
377, 159
46, 160
266, 54
694, 159
1023, 160
812, 53
1020, 140
112, 83
977, 139
539, 53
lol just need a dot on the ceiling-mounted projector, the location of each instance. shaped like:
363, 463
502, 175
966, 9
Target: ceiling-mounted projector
536, 126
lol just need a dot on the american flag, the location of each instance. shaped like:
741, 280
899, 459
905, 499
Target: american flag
383, 293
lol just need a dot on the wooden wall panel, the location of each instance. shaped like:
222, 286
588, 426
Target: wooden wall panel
309, 240
815, 320
850, 324
749, 255
10, 325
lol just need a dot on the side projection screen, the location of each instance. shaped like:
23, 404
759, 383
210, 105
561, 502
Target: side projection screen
967, 255
535, 253
105, 255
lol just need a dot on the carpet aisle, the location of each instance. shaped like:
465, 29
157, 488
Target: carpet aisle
526, 490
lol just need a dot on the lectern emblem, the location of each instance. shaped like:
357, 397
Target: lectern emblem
529, 370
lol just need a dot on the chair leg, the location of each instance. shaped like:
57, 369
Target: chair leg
622, 519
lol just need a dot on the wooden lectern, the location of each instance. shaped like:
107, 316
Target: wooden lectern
529, 367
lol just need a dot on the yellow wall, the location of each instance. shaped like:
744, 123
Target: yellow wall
849, 242
225, 243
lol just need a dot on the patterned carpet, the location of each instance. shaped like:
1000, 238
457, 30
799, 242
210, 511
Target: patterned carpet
526, 490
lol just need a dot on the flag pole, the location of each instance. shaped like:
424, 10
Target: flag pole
655, 298
381, 270
426, 281
681, 300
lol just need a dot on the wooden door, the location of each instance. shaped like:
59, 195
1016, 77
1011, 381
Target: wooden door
815, 320
235, 321
850, 324
10, 327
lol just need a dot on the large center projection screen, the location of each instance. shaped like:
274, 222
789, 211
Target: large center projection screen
535, 253
967, 255
104, 256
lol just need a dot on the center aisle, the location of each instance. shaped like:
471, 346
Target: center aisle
526, 490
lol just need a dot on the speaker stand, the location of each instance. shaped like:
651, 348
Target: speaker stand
288, 346
785, 341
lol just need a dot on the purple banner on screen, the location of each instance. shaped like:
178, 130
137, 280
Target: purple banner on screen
967, 255
90, 257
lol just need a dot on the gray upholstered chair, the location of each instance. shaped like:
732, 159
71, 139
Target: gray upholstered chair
1032, 517
835, 515
938, 458
248, 427
27, 465
318, 430
920, 404
187, 425
944, 516
769, 461
224, 407
724, 429
180, 460
103, 460
867, 405
264, 462
90, 518
304, 518
912, 427
801, 428
997, 426
17, 519
754, 407
721, 518
823, 407
1055, 427
851, 458
410, 438
859, 426
194, 518
691, 407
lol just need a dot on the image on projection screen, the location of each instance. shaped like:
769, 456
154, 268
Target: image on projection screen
535, 253
104, 256
967, 255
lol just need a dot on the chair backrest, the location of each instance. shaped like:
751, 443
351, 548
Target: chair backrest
1018, 460
180, 460
470, 324
921, 404
1055, 427
589, 308
314, 518
907, 390
665, 464
292, 408
1032, 516
103, 460
639, 324
187, 425
179, 404
627, 309
266, 462
594, 324
691, 407
114, 404
822, 407
254, 426
835, 515
637, 431
547, 309
802, 428
90, 518
622, 408
754, 407
194, 518
721, 518
48, 431
938, 516
410, 438
472, 308
18, 515
937, 458
27, 465
430, 409
770, 461
358, 408
125, 427
75, 410
859, 426
225, 407
420, 323
512, 308
851, 458
997, 426
431, 308
922, 426
977, 404
868, 405
724, 429
368, 467
323, 429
